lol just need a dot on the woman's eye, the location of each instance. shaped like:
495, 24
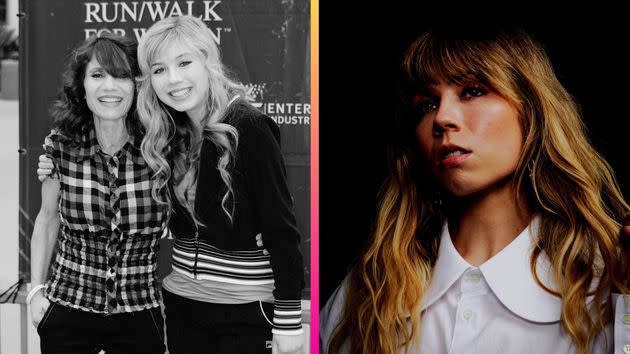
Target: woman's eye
185, 63
474, 91
158, 70
425, 107
97, 75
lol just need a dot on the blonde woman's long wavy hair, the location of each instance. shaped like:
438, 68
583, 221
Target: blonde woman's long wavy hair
172, 135
564, 180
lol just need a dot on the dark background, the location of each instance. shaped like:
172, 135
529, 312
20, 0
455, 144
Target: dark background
360, 50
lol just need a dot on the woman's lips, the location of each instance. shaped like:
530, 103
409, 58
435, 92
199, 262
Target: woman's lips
110, 99
453, 156
180, 92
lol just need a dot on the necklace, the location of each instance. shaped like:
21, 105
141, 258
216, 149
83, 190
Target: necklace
113, 148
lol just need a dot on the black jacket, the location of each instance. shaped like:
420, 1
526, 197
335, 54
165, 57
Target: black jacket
262, 200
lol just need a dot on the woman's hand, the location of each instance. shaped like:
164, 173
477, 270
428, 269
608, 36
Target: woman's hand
286, 344
44, 167
39, 305
259, 243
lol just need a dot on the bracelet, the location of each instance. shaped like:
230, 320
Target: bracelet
34, 291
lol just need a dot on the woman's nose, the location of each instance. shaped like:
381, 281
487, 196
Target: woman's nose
448, 116
173, 75
109, 82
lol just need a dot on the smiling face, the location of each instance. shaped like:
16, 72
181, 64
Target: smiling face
469, 135
180, 80
106, 96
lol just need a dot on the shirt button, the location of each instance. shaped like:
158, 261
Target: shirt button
110, 285
626, 348
626, 319
474, 278
468, 313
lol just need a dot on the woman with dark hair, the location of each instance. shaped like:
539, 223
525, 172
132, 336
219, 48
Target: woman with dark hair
97, 210
498, 227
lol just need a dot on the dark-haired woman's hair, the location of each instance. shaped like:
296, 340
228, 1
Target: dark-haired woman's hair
117, 55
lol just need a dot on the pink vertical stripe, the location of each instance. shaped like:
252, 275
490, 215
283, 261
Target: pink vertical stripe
314, 177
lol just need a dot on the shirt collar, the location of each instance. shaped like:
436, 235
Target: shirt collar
508, 274
448, 268
89, 146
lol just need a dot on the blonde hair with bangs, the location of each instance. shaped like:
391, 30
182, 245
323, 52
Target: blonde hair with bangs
168, 132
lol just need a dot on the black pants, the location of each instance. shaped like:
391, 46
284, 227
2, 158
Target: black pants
63, 330
196, 327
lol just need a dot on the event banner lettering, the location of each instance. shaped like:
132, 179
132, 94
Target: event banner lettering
133, 18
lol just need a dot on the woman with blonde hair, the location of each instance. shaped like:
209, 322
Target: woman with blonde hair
219, 158
498, 227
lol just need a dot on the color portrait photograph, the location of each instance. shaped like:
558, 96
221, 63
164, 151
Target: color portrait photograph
474, 180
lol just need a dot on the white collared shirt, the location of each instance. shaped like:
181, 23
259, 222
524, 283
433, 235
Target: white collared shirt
497, 307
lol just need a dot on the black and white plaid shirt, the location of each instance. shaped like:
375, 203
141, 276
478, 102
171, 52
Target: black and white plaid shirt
107, 246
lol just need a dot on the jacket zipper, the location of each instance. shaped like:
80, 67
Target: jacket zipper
196, 243
196, 251
194, 223
192, 220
